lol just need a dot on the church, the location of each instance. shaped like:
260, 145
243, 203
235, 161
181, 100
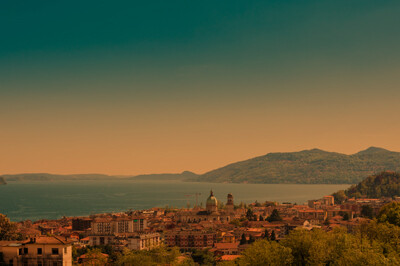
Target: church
211, 213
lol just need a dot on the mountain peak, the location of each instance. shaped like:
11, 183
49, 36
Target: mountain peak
372, 149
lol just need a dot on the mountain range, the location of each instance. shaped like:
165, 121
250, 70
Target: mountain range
304, 167
307, 167
186, 175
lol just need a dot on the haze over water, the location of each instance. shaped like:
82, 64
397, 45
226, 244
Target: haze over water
52, 200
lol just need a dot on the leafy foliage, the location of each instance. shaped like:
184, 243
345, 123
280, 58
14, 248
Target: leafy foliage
307, 167
158, 256
390, 213
8, 229
264, 252
384, 184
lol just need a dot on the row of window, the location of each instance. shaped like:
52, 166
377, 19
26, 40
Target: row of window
25, 251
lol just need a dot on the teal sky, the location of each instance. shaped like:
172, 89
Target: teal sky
158, 86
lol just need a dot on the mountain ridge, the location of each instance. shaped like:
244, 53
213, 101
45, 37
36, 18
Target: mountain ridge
313, 166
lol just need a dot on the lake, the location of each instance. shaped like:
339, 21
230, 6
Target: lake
52, 200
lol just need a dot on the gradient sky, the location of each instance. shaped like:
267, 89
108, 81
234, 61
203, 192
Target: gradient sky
132, 87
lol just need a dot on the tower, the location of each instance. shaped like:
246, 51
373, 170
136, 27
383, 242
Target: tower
229, 204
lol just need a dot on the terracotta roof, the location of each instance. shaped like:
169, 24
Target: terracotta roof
229, 257
226, 245
50, 240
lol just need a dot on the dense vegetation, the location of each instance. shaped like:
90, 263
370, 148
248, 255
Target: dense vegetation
307, 167
8, 229
384, 184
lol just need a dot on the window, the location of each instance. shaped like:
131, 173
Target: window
54, 251
39, 263
25, 250
65, 250
20, 251
39, 251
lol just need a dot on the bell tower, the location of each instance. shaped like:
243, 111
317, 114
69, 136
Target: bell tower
229, 204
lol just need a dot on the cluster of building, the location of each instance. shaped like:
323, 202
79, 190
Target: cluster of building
225, 231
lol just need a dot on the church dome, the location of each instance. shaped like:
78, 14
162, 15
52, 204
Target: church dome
212, 200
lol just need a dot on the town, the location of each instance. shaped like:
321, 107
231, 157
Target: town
224, 229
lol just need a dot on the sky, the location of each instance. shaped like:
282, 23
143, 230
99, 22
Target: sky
135, 87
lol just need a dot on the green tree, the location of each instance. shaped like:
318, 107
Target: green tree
8, 229
275, 216
157, 256
251, 239
266, 235
273, 236
203, 257
243, 240
367, 211
390, 213
263, 252
250, 214
339, 197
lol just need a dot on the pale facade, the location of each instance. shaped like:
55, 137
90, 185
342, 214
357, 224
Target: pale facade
40, 251
109, 226
144, 241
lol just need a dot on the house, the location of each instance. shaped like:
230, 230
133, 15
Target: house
39, 251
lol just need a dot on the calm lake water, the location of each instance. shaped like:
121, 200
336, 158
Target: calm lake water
51, 200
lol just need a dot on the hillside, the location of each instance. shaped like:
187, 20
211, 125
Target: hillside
186, 175
307, 167
385, 184
53, 177
2, 181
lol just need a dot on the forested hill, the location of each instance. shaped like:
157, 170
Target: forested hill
2, 181
385, 184
307, 167
186, 175
54, 177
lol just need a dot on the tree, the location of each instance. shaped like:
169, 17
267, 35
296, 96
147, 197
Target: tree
367, 211
390, 213
261, 218
249, 214
339, 196
266, 235
8, 229
251, 239
263, 252
243, 240
157, 256
275, 216
273, 236
203, 257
